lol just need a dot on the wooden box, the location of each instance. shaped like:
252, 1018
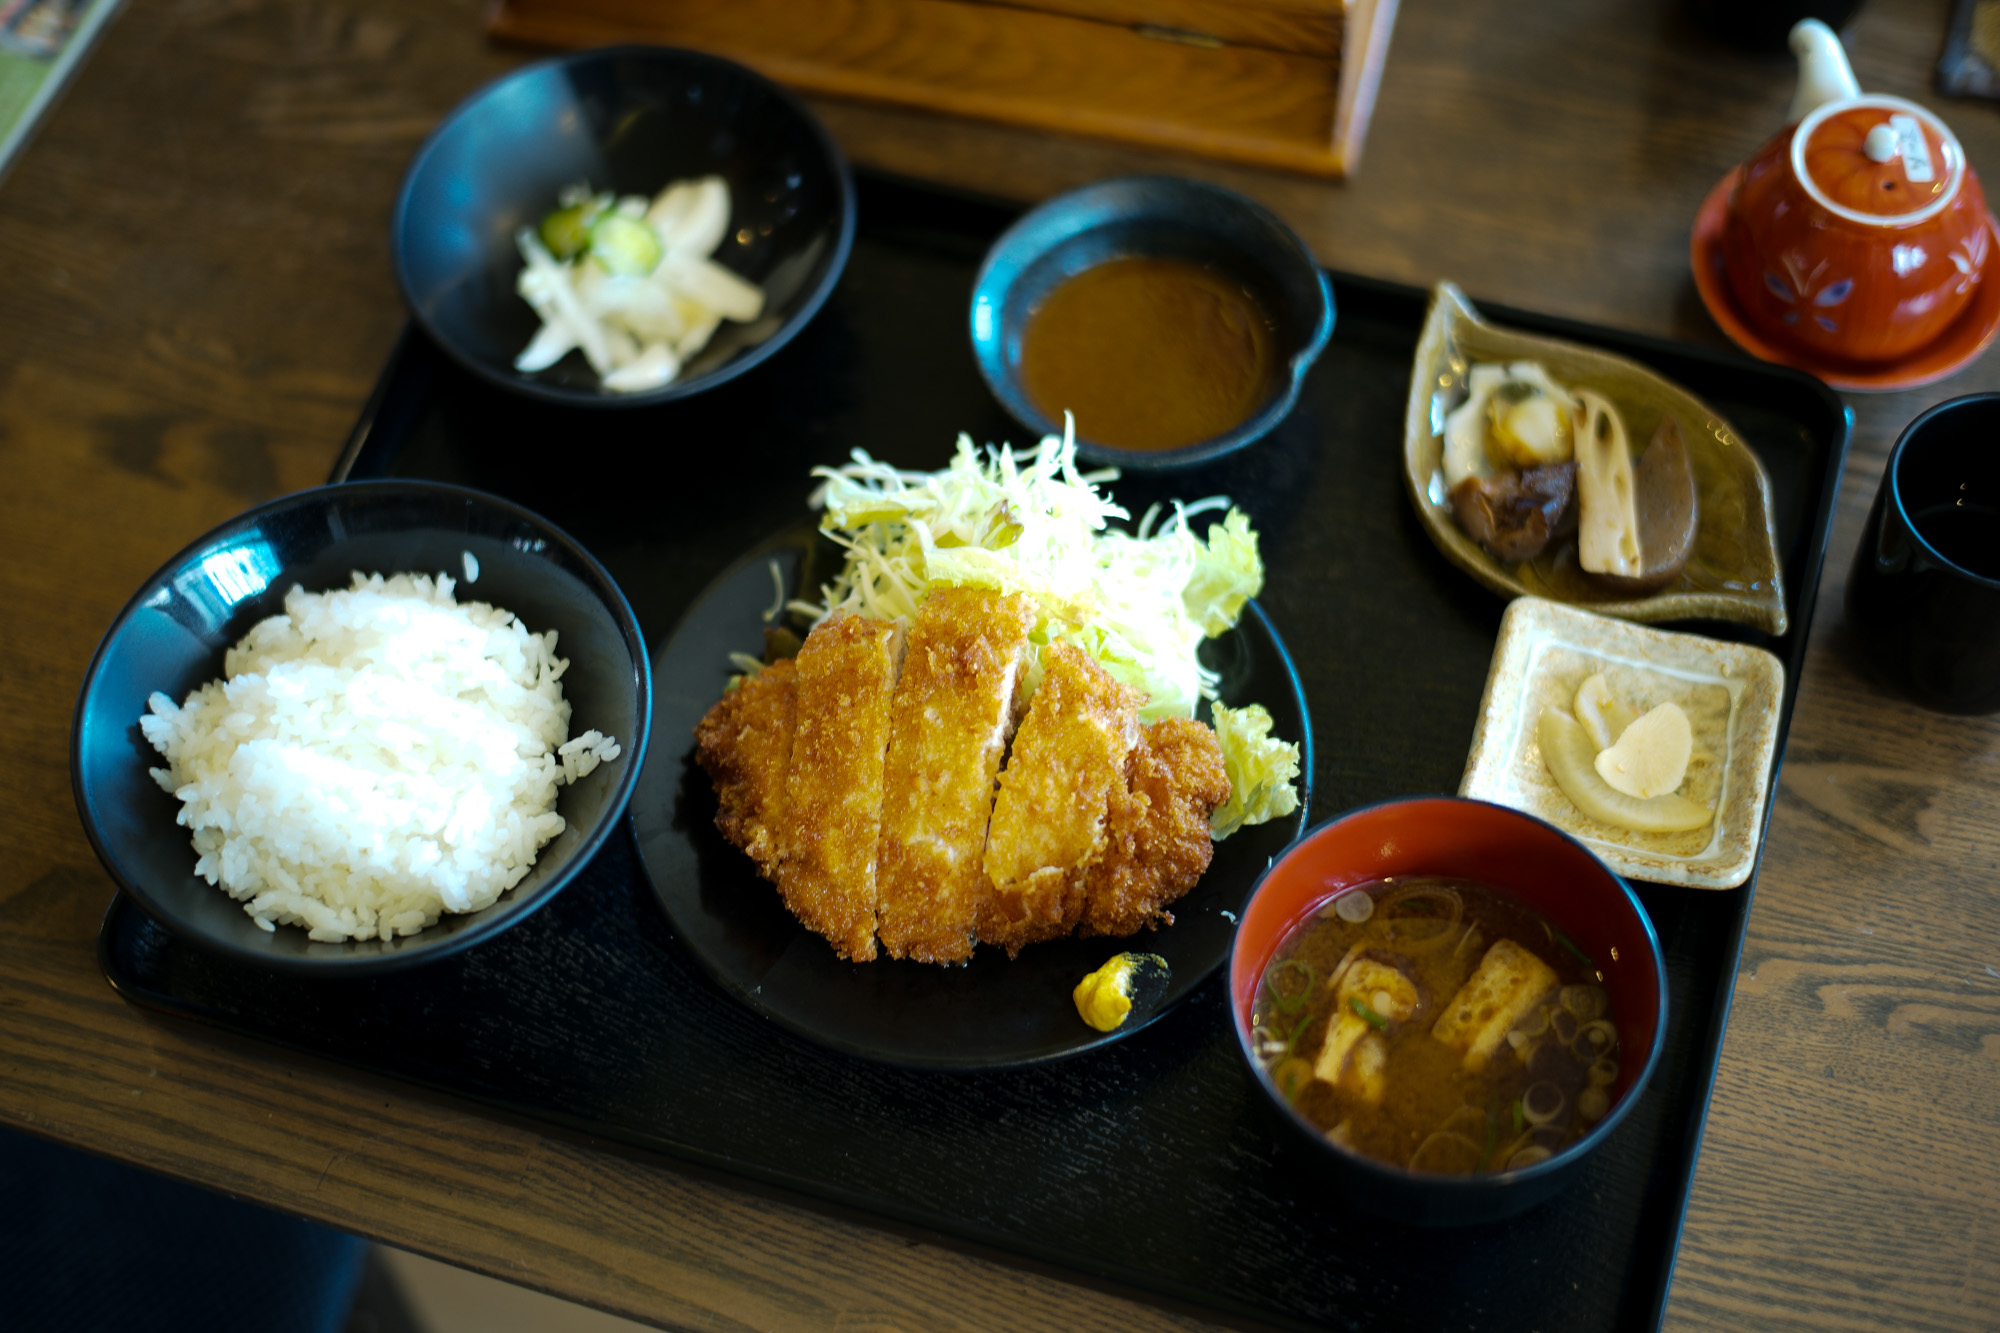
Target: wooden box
1273, 83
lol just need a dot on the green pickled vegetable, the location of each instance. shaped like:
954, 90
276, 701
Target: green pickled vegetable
566, 232
624, 245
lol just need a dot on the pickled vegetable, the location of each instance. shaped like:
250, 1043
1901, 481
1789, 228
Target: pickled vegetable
624, 246
1567, 750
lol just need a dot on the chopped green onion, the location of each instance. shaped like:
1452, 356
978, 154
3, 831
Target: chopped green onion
1290, 996
1374, 1019
1519, 1120
1569, 944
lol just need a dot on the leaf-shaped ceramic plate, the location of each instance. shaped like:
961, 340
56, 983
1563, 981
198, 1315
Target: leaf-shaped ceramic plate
1733, 572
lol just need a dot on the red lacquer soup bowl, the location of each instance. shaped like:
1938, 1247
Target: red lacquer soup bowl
1504, 849
1859, 234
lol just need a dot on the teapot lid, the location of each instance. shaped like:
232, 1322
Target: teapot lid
1879, 160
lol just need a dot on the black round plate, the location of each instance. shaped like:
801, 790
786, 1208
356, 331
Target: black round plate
988, 1014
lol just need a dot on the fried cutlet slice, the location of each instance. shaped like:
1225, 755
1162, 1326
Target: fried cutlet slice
832, 817
744, 743
1157, 844
1048, 821
953, 712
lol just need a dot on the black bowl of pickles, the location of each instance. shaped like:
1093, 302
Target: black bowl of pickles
623, 226
1448, 1005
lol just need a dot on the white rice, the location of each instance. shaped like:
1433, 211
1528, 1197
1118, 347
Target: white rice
376, 757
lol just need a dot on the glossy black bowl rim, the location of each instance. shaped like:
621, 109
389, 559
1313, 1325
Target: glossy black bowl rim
615, 812
1892, 479
515, 381
1493, 1182
1202, 451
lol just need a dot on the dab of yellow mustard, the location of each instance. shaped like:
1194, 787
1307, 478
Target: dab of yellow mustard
1104, 998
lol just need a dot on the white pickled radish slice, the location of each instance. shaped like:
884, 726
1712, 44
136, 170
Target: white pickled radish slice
552, 342
710, 284
691, 218
1603, 714
655, 366
1567, 750
1651, 757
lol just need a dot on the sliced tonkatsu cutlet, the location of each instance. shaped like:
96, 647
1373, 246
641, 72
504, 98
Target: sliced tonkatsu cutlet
846, 676
1157, 844
1048, 821
744, 743
953, 713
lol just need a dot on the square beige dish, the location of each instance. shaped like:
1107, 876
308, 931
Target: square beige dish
1730, 693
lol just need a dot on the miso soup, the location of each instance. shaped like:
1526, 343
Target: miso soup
1439, 1025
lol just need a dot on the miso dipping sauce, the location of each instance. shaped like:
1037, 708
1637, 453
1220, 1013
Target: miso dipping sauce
1149, 353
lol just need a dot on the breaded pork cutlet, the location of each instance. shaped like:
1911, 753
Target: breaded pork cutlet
953, 713
832, 818
744, 743
1048, 821
1157, 843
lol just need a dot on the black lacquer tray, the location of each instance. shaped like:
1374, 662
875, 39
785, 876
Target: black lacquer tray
1142, 1164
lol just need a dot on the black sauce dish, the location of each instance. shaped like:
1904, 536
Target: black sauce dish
172, 635
1533, 861
1160, 217
629, 119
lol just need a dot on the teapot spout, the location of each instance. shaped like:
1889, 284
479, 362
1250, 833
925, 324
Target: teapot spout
1824, 74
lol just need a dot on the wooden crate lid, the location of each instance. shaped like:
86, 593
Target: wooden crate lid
1273, 83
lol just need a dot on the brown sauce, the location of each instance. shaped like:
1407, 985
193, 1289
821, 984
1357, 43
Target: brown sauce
1149, 353
1535, 1094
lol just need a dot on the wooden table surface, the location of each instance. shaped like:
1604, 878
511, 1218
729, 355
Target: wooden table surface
195, 297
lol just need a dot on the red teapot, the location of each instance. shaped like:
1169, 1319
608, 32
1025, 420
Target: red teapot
1860, 231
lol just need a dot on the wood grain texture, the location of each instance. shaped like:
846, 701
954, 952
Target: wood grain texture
1311, 26
1274, 105
199, 296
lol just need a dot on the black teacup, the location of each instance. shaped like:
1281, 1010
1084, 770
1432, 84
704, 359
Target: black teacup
1923, 601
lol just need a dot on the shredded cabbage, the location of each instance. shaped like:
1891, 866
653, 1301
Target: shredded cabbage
1140, 603
1261, 770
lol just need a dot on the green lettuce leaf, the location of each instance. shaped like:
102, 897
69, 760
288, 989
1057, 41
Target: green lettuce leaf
1262, 771
1227, 573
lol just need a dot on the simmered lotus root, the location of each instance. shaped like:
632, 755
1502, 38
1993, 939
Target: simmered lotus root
1650, 757
1571, 758
1607, 540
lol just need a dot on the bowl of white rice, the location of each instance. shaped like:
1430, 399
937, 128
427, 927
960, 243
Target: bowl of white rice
362, 726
